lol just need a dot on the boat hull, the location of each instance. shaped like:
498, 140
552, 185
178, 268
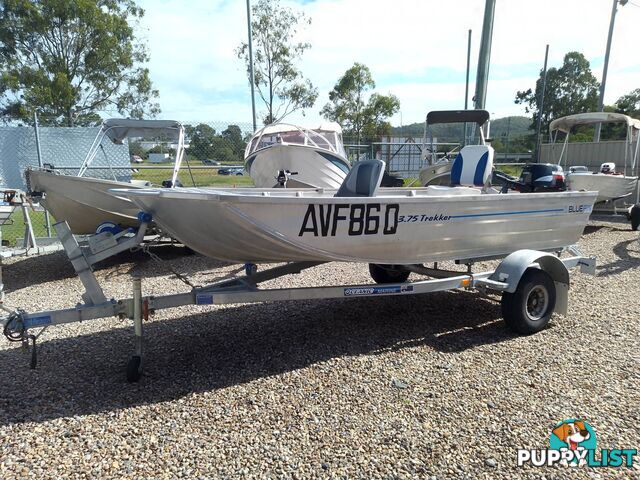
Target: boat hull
609, 187
84, 203
399, 226
316, 168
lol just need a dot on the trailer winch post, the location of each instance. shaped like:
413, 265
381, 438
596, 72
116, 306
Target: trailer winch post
134, 368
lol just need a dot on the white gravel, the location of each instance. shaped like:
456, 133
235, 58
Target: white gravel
396, 387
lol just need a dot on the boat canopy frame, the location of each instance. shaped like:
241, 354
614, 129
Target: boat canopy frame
119, 129
568, 123
479, 117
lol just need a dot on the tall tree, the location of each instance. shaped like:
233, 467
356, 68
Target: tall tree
279, 83
205, 143
629, 104
572, 88
233, 136
71, 59
348, 105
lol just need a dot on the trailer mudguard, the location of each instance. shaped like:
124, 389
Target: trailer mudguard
512, 268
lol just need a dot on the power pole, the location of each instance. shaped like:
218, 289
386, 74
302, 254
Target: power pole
251, 77
596, 136
541, 104
485, 55
466, 88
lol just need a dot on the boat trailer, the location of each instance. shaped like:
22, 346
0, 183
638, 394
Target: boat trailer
533, 284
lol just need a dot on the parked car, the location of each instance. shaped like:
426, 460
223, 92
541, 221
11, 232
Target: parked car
231, 171
208, 161
136, 159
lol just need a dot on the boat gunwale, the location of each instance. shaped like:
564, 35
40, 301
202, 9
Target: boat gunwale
286, 196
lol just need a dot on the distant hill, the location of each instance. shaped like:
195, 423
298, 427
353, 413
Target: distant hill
516, 126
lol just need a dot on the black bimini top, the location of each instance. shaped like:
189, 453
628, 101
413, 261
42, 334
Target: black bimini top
458, 116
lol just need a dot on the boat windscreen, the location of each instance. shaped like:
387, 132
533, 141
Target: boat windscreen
324, 139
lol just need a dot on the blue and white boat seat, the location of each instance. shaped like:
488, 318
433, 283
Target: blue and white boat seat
472, 166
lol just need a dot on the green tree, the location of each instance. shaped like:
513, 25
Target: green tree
233, 136
205, 143
570, 89
200, 139
629, 104
71, 59
136, 148
348, 105
280, 85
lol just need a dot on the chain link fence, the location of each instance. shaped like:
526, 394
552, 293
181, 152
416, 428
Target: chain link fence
211, 149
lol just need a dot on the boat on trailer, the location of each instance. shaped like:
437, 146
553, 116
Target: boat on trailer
361, 222
87, 204
610, 183
286, 155
395, 230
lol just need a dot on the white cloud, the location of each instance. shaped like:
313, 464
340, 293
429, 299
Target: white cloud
199, 77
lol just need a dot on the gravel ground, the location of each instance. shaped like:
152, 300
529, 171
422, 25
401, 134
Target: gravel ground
396, 387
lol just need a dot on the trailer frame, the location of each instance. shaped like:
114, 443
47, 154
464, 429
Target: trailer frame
506, 278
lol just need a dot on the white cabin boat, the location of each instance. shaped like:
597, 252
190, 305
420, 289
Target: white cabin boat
282, 155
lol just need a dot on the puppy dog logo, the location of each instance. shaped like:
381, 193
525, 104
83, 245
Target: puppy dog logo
575, 435
573, 444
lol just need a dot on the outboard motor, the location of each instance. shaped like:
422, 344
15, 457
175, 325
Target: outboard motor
283, 177
608, 168
168, 184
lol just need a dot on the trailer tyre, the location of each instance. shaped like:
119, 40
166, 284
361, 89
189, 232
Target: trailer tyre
529, 308
134, 369
634, 216
387, 274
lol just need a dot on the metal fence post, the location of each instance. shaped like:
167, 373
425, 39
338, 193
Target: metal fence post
47, 220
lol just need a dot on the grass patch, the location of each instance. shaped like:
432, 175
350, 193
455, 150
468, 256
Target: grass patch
513, 170
15, 227
203, 177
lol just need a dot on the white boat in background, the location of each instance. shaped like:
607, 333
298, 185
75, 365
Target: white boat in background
361, 222
282, 154
608, 181
609, 186
438, 170
87, 204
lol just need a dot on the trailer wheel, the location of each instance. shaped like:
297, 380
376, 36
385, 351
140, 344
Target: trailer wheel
634, 216
388, 274
134, 369
529, 308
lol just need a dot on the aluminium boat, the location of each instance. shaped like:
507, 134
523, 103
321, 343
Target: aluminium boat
285, 155
86, 203
610, 184
361, 222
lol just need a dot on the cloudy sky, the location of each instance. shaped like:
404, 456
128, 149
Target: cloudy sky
415, 49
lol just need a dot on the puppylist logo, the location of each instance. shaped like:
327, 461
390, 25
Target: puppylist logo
573, 443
